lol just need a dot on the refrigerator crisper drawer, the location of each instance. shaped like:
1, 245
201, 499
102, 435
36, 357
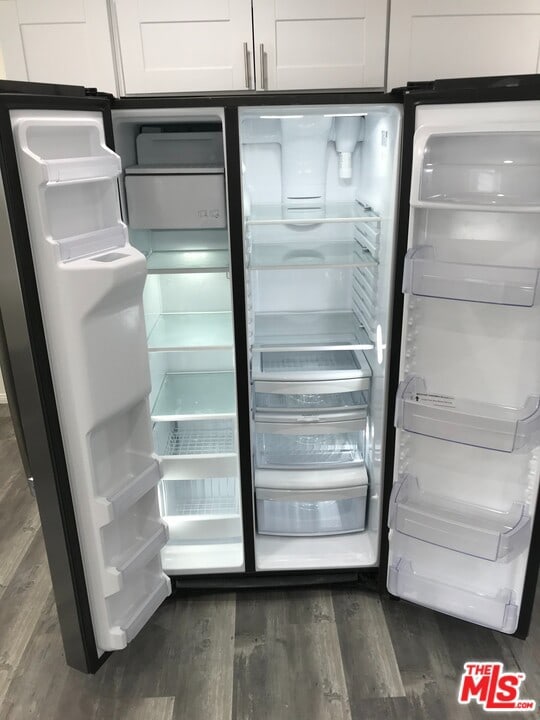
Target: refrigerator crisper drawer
311, 371
311, 512
325, 406
312, 479
309, 445
175, 201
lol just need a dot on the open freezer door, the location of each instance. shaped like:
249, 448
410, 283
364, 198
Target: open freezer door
90, 284
467, 416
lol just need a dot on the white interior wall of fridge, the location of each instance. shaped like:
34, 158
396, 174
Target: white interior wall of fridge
467, 447
188, 314
302, 293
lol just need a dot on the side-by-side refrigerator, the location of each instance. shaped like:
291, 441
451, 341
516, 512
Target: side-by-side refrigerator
275, 339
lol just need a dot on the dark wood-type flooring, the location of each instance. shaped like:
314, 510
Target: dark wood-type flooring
296, 654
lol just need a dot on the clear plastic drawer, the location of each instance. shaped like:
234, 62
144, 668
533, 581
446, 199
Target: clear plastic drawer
311, 512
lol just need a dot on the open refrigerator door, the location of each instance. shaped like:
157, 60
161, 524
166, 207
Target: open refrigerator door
467, 456
90, 283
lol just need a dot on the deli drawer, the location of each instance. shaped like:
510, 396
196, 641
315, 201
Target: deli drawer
311, 512
339, 405
165, 200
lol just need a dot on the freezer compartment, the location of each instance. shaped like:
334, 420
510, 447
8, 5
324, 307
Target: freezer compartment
309, 445
495, 427
337, 406
497, 611
178, 442
311, 512
193, 396
495, 170
205, 526
158, 199
457, 525
503, 285
308, 371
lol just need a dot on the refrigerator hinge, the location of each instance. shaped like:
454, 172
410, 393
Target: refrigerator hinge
31, 486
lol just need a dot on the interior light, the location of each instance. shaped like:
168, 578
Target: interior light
346, 115
281, 117
379, 345
508, 162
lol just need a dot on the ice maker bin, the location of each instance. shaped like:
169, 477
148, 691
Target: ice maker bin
162, 198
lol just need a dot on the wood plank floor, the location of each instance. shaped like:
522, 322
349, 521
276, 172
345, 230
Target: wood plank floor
312, 654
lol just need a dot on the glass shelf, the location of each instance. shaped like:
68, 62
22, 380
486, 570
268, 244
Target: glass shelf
176, 331
486, 425
471, 529
192, 396
497, 611
426, 276
310, 331
297, 255
329, 213
311, 371
188, 261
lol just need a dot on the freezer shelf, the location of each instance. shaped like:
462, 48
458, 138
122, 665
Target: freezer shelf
498, 611
188, 261
182, 331
479, 531
310, 331
192, 396
328, 213
494, 427
310, 512
199, 438
308, 447
426, 276
296, 255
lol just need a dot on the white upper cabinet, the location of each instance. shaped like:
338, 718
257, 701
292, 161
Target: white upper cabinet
319, 44
58, 41
169, 46
432, 39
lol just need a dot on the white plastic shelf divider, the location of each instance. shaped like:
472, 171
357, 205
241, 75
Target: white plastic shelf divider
193, 396
469, 422
188, 261
336, 330
329, 213
497, 611
479, 531
426, 276
296, 255
184, 331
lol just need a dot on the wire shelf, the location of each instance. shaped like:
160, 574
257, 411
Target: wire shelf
198, 438
208, 496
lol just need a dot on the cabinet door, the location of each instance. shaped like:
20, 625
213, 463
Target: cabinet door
179, 46
431, 39
316, 44
57, 42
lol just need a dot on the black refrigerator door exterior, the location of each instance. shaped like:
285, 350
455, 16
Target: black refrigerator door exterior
75, 350
513, 620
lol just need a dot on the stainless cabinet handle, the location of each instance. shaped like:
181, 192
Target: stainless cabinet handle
246, 66
262, 61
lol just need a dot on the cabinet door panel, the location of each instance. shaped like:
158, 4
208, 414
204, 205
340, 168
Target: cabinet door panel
437, 39
316, 44
170, 46
57, 42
